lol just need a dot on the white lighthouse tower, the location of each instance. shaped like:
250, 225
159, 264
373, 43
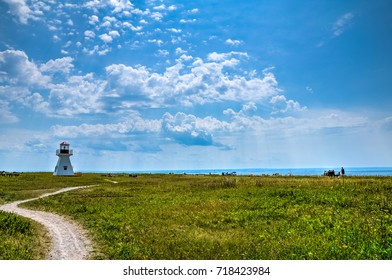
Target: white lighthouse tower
64, 167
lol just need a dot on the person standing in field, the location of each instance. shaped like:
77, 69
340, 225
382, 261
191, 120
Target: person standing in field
342, 171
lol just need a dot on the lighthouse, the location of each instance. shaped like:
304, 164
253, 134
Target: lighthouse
63, 167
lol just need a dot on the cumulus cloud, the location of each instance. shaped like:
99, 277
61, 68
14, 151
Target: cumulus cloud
22, 96
37, 103
89, 34
77, 95
233, 42
21, 9
117, 5
190, 130
24, 83
16, 69
199, 82
63, 65
93, 19
157, 16
114, 34
106, 38
282, 105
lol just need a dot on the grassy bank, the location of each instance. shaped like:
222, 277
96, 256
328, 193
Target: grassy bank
217, 217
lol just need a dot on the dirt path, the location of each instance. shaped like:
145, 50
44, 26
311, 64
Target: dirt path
69, 242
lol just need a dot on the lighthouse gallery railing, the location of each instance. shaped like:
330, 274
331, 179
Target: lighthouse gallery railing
64, 152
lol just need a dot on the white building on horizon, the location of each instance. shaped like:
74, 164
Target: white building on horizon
64, 166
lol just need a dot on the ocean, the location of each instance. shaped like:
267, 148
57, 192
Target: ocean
350, 171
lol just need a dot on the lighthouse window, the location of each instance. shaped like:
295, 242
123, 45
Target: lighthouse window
65, 167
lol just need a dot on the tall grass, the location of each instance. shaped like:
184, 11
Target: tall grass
21, 239
243, 217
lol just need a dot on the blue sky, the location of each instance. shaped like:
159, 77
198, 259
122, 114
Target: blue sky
151, 85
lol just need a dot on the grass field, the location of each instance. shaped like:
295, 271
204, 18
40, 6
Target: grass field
219, 217
21, 238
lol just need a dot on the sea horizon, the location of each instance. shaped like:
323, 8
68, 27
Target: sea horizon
299, 171
318, 171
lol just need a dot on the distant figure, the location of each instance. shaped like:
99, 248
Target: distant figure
342, 171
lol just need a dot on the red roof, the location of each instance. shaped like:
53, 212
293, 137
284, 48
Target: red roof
64, 143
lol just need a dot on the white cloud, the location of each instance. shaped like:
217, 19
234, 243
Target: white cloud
93, 19
63, 65
106, 38
183, 21
157, 16
15, 68
37, 103
21, 9
132, 27
11, 95
282, 105
214, 56
133, 124
180, 51
103, 51
160, 8
233, 42
89, 34
143, 21
6, 115
117, 5
106, 24
56, 38
156, 41
193, 11
341, 24
174, 30
198, 83
77, 95
163, 52
185, 57
188, 129
114, 33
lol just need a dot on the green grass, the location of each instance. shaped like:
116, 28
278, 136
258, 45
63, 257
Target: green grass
215, 217
29, 185
21, 239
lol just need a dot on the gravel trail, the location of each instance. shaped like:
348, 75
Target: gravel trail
69, 241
